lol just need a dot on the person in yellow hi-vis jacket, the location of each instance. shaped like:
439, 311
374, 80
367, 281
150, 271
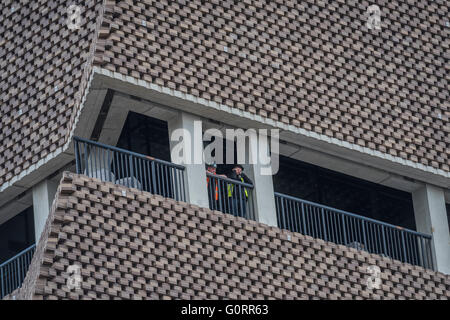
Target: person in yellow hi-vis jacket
238, 194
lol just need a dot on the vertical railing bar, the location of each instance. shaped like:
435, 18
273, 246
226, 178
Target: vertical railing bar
430, 254
86, 159
122, 165
384, 240
310, 222
332, 219
423, 254
153, 189
138, 168
314, 216
166, 175
290, 216
182, 185
344, 229
412, 247
110, 166
132, 171
240, 202
297, 216
102, 164
418, 254
396, 235
307, 223
330, 216
176, 186
324, 225
145, 175
77, 160
303, 218
160, 179
363, 225
405, 247
283, 223
287, 214
221, 186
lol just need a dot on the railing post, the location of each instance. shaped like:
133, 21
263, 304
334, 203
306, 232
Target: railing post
363, 225
153, 188
324, 225
303, 217
383, 235
403, 246
344, 231
283, 213
132, 173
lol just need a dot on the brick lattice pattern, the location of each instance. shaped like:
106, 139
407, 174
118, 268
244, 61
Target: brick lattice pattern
134, 245
44, 71
312, 64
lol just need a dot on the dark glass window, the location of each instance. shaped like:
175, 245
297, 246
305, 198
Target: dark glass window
145, 135
313, 183
16, 234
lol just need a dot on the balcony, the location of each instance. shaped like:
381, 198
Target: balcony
352, 230
14, 270
130, 169
237, 198
230, 196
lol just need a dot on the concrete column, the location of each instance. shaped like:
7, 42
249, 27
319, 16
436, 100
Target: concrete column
264, 198
43, 195
431, 218
186, 145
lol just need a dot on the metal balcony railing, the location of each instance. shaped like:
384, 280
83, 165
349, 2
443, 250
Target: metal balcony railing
230, 196
352, 230
130, 169
14, 270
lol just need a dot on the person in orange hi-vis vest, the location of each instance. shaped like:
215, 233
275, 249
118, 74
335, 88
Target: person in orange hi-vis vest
213, 195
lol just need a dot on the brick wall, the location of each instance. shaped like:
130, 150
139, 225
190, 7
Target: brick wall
45, 68
133, 245
311, 64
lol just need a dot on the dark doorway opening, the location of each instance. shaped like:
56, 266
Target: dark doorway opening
145, 135
17, 234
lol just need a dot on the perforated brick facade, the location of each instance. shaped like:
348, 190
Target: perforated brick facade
311, 64
45, 68
134, 245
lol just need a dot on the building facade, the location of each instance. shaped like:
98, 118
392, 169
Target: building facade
94, 91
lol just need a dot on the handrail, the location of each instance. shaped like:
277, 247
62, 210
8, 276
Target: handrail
17, 255
237, 200
363, 233
247, 185
14, 270
353, 215
142, 156
129, 168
